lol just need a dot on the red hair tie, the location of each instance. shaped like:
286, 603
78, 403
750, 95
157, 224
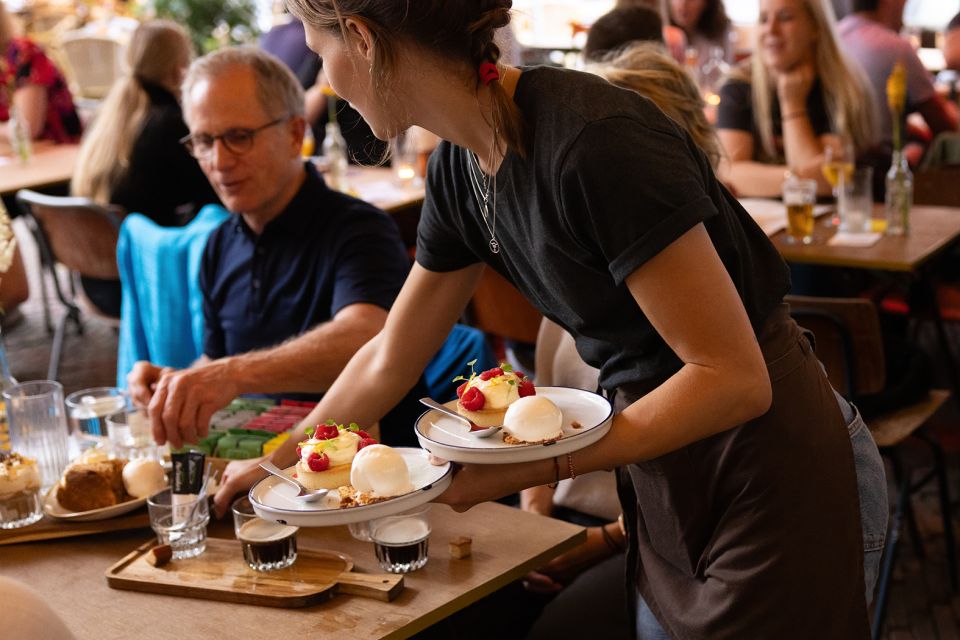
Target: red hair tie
489, 72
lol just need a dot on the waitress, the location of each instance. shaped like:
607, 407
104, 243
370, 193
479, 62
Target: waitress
730, 442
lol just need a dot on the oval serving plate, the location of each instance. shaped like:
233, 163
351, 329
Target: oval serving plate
447, 437
52, 508
273, 499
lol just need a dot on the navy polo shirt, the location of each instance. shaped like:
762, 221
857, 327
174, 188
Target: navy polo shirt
326, 251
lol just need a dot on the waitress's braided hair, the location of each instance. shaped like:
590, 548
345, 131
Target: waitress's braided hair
461, 30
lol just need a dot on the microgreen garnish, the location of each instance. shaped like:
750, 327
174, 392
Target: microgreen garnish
512, 381
309, 431
331, 422
473, 374
507, 368
354, 426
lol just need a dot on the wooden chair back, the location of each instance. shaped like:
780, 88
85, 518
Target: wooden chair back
498, 309
848, 341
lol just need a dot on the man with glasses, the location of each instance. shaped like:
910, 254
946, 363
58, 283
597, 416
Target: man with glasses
296, 280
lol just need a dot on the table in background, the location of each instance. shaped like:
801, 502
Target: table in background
507, 544
51, 165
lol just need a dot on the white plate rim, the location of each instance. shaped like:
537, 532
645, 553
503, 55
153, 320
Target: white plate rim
521, 452
50, 502
334, 517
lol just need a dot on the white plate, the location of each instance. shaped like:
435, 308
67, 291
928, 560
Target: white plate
52, 508
448, 438
273, 499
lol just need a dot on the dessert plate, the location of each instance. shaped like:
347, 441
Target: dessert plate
447, 437
54, 509
273, 499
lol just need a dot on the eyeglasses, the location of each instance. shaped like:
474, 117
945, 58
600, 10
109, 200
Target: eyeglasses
237, 141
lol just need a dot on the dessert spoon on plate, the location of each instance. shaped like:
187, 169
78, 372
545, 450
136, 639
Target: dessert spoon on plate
305, 495
475, 431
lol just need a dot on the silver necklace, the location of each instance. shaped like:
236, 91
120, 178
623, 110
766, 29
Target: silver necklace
480, 182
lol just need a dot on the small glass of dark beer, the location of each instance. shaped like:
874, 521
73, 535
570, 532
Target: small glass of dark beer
266, 545
400, 541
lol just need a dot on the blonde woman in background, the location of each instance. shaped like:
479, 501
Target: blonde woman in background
131, 156
793, 99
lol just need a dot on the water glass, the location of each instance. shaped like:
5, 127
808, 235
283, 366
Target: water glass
266, 545
88, 410
799, 196
401, 541
403, 159
181, 522
856, 213
38, 426
131, 435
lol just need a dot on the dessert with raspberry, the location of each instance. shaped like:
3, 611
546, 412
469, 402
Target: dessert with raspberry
326, 457
484, 398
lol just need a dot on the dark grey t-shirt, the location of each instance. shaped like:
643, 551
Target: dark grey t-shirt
608, 183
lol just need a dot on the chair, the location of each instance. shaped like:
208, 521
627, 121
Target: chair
502, 312
94, 63
81, 235
850, 345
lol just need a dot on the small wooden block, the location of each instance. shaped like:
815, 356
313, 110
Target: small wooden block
460, 547
159, 555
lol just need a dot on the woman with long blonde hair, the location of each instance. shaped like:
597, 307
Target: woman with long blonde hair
796, 97
647, 69
131, 155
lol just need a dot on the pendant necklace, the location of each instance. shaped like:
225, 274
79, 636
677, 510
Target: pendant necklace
480, 182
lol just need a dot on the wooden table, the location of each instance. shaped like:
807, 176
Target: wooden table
50, 165
507, 543
932, 229
377, 185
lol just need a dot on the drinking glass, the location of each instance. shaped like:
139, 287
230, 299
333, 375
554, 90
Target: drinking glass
838, 165
266, 545
131, 435
38, 426
858, 202
403, 158
181, 522
799, 196
401, 541
88, 410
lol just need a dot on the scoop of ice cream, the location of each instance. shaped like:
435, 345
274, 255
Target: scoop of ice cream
533, 419
380, 470
143, 477
498, 391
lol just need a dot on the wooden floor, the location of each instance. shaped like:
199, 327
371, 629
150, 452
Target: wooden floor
921, 607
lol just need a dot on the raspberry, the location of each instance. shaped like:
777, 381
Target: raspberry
326, 432
366, 442
472, 399
363, 434
491, 373
294, 474
526, 388
318, 463
461, 389
298, 452
520, 374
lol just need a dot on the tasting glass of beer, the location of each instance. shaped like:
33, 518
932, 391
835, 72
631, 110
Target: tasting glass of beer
799, 196
400, 541
266, 545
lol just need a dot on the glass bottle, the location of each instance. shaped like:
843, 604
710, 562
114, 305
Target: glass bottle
899, 197
20, 136
335, 153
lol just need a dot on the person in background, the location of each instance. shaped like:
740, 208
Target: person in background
870, 36
619, 28
612, 222
32, 84
131, 155
705, 24
951, 43
673, 37
297, 279
795, 96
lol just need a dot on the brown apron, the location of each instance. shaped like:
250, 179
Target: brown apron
754, 533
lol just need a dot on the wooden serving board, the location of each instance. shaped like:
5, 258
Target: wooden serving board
49, 528
220, 573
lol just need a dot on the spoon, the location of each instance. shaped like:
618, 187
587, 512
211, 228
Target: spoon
305, 495
475, 431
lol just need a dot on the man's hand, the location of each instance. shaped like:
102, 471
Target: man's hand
142, 380
184, 401
238, 477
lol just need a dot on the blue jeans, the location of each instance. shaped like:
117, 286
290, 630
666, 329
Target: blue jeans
874, 510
